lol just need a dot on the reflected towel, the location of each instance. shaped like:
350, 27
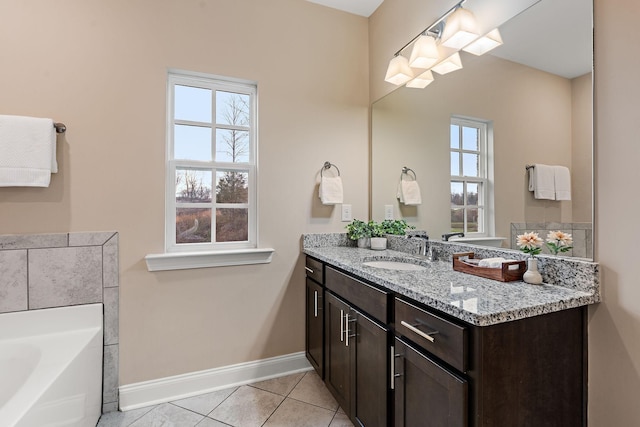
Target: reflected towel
27, 151
409, 193
330, 191
542, 182
562, 178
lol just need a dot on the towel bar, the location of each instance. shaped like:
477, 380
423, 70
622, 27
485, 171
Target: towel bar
327, 165
527, 167
405, 171
60, 127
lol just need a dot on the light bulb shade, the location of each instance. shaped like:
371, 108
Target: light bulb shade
398, 71
424, 53
460, 29
484, 44
452, 63
422, 81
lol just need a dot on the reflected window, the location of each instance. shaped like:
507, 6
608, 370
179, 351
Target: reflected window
211, 171
471, 171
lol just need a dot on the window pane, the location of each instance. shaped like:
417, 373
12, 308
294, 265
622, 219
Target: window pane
232, 109
232, 225
455, 136
455, 164
192, 143
193, 186
457, 196
470, 164
457, 220
232, 146
472, 220
470, 138
472, 194
232, 187
193, 225
192, 103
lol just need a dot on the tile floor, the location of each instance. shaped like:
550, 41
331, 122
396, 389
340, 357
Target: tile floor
299, 400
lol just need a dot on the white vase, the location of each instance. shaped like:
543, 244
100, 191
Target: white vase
364, 242
378, 243
532, 275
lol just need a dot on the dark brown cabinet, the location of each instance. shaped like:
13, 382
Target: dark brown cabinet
425, 393
391, 361
315, 326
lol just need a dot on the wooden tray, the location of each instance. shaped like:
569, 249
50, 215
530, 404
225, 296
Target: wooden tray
504, 274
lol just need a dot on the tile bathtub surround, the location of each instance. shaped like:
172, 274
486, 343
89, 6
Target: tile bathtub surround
62, 269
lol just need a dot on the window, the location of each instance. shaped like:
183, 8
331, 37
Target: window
211, 202
471, 170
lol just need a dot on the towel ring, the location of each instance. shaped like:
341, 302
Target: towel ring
405, 171
328, 165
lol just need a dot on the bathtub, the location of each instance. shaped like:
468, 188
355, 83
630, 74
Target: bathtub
495, 242
51, 367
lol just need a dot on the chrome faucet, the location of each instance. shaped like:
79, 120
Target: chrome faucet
446, 236
424, 243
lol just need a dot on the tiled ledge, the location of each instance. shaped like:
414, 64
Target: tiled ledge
62, 269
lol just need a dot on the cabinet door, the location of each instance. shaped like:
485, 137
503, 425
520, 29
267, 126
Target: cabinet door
338, 360
315, 326
426, 394
372, 371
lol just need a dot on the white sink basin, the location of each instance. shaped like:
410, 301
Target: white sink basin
394, 265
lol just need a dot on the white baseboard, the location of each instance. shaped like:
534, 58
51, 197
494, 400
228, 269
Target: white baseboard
138, 395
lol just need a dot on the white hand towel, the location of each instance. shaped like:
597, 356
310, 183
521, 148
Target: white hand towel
542, 182
409, 193
330, 191
562, 178
27, 151
491, 262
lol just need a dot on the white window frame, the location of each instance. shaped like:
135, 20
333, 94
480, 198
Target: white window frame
209, 254
486, 212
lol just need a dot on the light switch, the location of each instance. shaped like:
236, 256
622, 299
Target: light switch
346, 213
388, 211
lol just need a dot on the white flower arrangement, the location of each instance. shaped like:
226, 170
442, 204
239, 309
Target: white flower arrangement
530, 243
559, 241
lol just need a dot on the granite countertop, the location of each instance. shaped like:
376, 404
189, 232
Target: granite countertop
470, 298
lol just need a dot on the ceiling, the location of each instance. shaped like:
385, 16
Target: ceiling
563, 29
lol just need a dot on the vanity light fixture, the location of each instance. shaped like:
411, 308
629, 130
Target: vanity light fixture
422, 81
460, 30
486, 43
424, 53
452, 63
399, 71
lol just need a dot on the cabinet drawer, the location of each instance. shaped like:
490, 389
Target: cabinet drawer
366, 297
440, 337
315, 270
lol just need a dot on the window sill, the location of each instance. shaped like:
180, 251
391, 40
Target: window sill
188, 260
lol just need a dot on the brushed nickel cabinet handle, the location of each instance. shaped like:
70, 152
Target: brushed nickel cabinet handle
308, 269
424, 335
341, 326
315, 303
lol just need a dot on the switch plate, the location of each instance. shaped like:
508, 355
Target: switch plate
346, 213
388, 211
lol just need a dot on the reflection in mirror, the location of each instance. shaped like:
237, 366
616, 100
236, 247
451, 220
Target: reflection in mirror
536, 109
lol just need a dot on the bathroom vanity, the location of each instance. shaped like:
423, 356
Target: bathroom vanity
434, 347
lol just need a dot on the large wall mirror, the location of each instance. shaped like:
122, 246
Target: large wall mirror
534, 96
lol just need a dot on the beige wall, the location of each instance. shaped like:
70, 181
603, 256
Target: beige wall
100, 67
531, 114
614, 325
582, 148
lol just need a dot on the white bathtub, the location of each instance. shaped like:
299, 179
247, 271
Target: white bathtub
495, 242
51, 367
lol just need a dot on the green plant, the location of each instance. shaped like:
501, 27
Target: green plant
396, 227
377, 230
357, 229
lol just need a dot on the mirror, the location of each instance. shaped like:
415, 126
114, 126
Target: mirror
535, 95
